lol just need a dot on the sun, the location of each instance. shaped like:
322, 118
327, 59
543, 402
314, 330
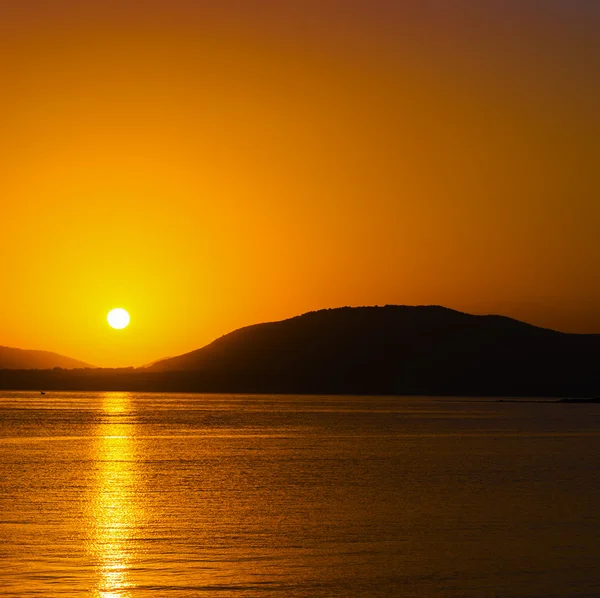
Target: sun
118, 318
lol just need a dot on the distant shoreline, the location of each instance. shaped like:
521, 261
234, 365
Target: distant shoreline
129, 379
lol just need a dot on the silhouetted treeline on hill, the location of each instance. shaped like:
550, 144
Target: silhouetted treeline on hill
368, 350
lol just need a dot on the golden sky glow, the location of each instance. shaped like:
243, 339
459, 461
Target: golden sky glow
209, 165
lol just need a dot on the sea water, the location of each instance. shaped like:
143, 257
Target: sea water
130, 494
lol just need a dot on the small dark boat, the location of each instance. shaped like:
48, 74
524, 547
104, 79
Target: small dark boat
42, 392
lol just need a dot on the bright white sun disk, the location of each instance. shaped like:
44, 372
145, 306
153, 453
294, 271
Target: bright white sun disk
118, 318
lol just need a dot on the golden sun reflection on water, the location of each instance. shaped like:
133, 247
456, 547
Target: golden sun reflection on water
114, 513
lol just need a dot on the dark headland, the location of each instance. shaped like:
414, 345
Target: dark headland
366, 350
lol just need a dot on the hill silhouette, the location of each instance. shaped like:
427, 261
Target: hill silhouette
428, 350
397, 349
21, 359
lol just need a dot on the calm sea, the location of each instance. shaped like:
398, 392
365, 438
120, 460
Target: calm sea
127, 494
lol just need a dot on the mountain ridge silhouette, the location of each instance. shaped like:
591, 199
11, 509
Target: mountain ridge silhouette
423, 319
27, 359
398, 349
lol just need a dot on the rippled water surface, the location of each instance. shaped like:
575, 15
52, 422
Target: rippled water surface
127, 494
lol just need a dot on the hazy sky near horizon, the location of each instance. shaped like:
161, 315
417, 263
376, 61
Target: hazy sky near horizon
209, 165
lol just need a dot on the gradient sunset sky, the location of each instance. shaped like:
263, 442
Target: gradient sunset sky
208, 165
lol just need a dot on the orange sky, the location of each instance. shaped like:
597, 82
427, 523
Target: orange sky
208, 165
